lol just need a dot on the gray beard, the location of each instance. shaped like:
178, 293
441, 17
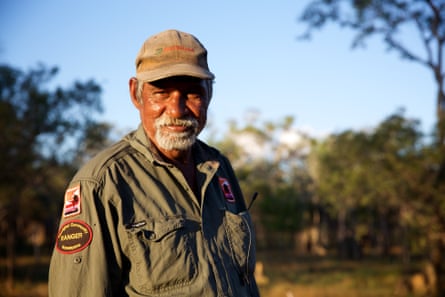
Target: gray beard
181, 141
176, 141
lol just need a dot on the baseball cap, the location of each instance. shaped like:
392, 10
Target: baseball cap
172, 53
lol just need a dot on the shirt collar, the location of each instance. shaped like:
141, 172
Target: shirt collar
203, 154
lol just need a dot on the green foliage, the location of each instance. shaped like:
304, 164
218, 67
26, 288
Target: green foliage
382, 181
404, 173
269, 158
282, 210
40, 120
95, 137
41, 128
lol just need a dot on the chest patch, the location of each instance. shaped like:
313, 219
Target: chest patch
226, 189
74, 236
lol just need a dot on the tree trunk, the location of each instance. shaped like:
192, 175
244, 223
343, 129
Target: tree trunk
341, 233
10, 252
383, 239
441, 119
438, 263
438, 245
11, 234
437, 249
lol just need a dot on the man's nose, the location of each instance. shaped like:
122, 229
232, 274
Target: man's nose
177, 106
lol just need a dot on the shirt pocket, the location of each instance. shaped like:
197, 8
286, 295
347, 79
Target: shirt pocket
163, 255
241, 237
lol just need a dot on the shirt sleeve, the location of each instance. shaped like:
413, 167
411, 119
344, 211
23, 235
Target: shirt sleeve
84, 262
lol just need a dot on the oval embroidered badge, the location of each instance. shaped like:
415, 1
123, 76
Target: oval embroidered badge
74, 236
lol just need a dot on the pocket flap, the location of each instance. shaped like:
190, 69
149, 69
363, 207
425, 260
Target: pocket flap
165, 226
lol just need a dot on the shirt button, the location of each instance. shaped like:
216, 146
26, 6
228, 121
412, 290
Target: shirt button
77, 260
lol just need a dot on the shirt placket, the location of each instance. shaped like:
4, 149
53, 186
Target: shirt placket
209, 227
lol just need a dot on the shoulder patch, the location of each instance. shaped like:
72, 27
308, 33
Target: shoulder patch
73, 236
71, 205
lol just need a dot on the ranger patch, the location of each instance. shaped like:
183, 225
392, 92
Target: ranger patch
71, 206
73, 237
226, 189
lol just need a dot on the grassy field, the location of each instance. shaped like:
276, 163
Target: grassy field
291, 276
31, 277
284, 275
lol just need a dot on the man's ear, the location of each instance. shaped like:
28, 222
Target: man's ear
133, 87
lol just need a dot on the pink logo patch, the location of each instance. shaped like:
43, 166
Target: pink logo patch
226, 189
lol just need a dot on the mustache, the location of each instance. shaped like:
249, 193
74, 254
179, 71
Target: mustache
164, 120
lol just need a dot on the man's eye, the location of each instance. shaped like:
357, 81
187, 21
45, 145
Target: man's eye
194, 96
162, 94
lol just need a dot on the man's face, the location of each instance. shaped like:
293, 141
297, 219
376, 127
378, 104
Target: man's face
173, 111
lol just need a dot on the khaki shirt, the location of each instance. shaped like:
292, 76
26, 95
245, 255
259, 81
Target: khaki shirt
132, 226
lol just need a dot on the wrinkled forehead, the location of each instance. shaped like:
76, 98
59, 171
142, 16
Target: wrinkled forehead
185, 82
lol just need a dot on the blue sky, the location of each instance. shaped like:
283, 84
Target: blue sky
253, 50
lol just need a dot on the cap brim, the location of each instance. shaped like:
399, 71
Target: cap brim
175, 70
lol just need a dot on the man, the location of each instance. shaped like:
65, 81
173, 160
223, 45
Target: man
160, 213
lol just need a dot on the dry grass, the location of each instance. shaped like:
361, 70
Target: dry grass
287, 276
30, 278
291, 276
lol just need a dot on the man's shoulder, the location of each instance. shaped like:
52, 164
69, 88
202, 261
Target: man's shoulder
107, 158
207, 150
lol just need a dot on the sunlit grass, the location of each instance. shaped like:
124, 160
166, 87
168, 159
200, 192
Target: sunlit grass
30, 277
291, 276
287, 275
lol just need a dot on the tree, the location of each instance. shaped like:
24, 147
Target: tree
389, 19
340, 166
269, 158
377, 181
95, 137
40, 129
395, 169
